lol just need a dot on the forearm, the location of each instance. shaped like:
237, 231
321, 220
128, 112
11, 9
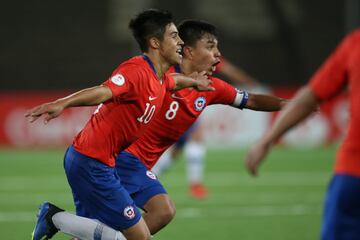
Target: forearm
182, 81
266, 103
86, 97
302, 105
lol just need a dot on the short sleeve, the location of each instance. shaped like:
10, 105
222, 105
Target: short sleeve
332, 76
125, 81
224, 93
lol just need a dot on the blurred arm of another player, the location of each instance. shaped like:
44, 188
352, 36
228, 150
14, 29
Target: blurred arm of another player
86, 97
303, 104
199, 81
235, 74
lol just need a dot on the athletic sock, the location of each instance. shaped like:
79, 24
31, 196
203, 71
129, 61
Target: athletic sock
85, 228
195, 153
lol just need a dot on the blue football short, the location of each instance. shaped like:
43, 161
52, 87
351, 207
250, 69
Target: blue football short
341, 220
141, 183
98, 192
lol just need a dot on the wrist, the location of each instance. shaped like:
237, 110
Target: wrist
62, 102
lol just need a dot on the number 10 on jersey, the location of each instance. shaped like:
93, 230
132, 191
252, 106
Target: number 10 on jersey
148, 114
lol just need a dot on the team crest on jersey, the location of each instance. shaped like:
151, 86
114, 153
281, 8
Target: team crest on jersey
129, 212
118, 79
199, 103
150, 174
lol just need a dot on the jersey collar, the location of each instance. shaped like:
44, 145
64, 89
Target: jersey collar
177, 68
148, 60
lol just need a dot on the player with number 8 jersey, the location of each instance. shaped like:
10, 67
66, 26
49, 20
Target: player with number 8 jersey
179, 111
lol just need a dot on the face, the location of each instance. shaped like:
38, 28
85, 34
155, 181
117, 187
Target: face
205, 55
171, 45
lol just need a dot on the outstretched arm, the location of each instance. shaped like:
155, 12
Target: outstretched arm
266, 103
303, 104
86, 97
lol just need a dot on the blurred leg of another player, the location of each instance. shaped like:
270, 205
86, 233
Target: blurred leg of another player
194, 150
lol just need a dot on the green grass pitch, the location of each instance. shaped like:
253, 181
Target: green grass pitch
284, 202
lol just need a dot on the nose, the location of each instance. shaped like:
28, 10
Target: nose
217, 52
180, 41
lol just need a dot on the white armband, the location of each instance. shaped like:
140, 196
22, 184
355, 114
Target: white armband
241, 98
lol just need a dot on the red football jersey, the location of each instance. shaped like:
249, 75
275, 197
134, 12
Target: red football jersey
137, 96
342, 70
179, 111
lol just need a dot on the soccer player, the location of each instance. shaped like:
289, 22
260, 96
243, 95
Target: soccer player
128, 100
178, 113
341, 218
192, 141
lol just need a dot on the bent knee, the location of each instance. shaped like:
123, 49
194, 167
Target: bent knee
139, 231
167, 213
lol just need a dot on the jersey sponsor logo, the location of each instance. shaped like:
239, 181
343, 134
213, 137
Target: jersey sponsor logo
176, 97
118, 79
129, 212
152, 98
150, 174
199, 103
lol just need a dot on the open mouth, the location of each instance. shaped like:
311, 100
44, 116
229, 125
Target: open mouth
179, 52
213, 67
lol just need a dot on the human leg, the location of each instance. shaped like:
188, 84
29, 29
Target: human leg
51, 219
146, 190
195, 154
98, 194
159, 211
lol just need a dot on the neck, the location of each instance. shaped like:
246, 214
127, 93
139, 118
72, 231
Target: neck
160, 65
186, 67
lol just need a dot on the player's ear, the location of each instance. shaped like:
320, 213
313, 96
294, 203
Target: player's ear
154, 43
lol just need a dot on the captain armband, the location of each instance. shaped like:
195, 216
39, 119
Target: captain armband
241, 98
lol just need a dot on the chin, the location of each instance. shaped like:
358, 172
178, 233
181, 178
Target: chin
177, 60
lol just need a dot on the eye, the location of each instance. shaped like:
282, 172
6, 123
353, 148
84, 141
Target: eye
211, 46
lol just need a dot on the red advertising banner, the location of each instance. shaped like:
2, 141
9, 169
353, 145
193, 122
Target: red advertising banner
16, 130
237, 128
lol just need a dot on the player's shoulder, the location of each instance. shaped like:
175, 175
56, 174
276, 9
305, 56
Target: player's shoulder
355, 33
353, 37
136, 67
134, 62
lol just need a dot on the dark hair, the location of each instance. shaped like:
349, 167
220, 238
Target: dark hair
149, 23
190, 31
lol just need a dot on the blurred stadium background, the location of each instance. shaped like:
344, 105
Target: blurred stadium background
51, 48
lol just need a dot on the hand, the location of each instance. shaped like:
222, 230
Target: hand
255, 156
203, 83
50, 110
